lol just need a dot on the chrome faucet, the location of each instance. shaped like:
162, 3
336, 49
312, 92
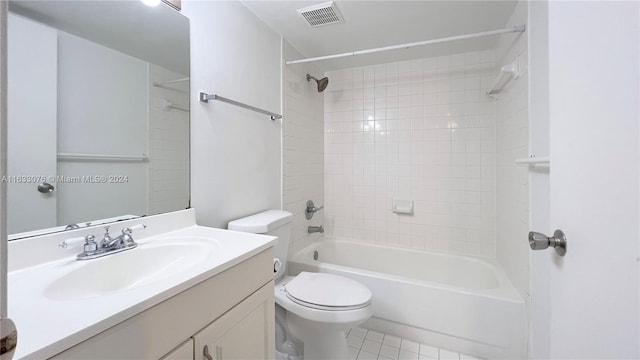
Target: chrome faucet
107, 241
108, 245
315, 229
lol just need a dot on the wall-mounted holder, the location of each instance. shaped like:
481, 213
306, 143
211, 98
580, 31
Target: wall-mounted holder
400, 206
508, 72
205, 98
533, 161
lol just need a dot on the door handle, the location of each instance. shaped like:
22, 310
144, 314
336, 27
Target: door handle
539, 241
205, 353
45, 188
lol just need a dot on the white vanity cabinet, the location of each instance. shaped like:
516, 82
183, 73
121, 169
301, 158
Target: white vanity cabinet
232, 313
242, 333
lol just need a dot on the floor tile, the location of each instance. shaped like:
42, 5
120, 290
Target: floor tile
352, 353
392, 340
371, 346
389, 351
407, 355
363, 355
429, 351
358, 332
409, 345
355, 341
425, 357
375, 336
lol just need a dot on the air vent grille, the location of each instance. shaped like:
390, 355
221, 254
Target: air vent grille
321, 14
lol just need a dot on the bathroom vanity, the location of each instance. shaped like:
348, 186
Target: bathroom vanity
185, 291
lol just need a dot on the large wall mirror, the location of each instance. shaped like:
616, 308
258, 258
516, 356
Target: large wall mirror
98, 110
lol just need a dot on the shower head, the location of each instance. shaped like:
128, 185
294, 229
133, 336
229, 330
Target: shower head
322, 83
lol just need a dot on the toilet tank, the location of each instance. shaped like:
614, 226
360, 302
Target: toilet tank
270, 222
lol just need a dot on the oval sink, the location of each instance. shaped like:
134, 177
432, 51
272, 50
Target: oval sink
144, 265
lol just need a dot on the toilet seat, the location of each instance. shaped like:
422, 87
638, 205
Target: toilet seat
327, 292
331, 316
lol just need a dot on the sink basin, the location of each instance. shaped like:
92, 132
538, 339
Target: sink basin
145, 265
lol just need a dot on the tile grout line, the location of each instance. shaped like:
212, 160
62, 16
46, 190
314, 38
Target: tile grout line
412, 347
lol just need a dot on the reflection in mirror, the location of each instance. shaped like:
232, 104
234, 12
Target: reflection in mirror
98, 113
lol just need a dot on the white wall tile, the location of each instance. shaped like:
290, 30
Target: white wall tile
426, 125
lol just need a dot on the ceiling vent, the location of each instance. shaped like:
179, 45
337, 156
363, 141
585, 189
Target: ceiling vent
321, 14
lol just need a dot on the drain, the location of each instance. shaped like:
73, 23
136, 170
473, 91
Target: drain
315, 255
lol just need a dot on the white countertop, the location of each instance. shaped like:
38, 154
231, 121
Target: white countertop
47, 326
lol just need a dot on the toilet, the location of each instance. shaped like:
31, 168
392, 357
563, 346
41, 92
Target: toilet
318, 307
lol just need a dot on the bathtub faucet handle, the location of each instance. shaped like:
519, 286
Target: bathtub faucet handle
311, 209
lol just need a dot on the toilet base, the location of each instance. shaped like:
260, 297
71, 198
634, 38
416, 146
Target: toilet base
320, 341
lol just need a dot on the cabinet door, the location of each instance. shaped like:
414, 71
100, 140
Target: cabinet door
182, 352
244, 332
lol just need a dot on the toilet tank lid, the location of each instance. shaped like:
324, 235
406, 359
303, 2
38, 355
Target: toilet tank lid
261, 223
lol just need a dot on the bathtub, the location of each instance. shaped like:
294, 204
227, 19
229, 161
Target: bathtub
455, 302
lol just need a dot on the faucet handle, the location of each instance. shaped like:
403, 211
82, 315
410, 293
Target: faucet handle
311, 209
70, 242
90, 245
126, 233
129, 230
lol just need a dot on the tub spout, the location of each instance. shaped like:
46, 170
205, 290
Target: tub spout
315, 229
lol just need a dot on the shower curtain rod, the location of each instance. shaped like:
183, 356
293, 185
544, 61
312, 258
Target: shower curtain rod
518, 29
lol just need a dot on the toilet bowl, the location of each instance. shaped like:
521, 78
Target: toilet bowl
318, 307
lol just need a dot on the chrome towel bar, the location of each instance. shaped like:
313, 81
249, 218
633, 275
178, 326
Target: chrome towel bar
204, 97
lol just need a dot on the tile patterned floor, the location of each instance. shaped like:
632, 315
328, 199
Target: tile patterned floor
371, 345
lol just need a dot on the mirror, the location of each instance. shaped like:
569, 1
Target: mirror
98, 109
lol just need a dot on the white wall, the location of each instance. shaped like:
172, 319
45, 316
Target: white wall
235, 153
512, 142
420, 130
101, 92
168, 142
302, 146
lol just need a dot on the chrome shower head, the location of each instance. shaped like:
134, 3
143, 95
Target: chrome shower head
322, 83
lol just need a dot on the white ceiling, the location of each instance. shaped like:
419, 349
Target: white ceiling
159, 35
372, 24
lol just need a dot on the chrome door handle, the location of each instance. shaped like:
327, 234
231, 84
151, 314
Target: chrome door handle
205, 353
45, 188
539, 241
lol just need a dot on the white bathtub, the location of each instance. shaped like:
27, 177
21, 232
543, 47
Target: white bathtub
455, 302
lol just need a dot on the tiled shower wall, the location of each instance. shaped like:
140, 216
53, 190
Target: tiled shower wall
421, 130
302, 147
512, 142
